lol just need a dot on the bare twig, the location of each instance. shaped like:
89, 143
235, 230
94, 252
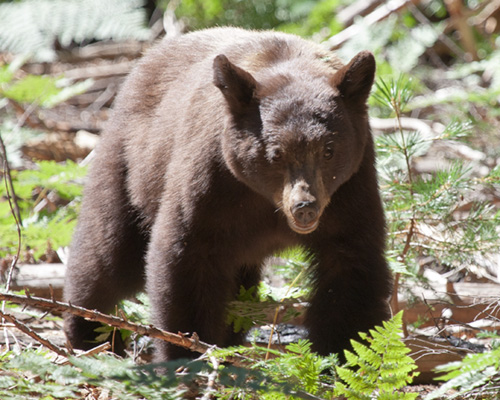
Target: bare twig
16, 213
381, 13
428, 129
209, 394
485, 18
459, 21
11, 194
347, 15
151, 331
100, 71
420, 17
28, 331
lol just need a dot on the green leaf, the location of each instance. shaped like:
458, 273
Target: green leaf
32, 89
5, 74
44, 90
382, 368
475, 371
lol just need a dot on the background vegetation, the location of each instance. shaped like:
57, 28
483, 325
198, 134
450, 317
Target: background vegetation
438, 84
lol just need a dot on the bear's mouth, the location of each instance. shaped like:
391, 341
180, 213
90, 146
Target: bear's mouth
302, 229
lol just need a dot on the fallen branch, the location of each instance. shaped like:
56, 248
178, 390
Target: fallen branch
428, 129
9, 186
192, 343
360, 8
28, 331
379, 14
459, 21
100, 71
485, 19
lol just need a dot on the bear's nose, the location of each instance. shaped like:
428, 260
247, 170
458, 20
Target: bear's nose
305, 212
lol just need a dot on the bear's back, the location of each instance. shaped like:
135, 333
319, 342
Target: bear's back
186, 62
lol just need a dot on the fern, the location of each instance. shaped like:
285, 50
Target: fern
296, 373
33, 26
33, 374
301, 368
378, 371
45, 378
475, 374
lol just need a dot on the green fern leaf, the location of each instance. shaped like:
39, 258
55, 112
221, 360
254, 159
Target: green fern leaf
474, 371
33, 26
382, 368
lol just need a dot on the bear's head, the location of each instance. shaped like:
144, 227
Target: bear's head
296, 134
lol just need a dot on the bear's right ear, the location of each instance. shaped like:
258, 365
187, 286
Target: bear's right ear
355, 80
236, 84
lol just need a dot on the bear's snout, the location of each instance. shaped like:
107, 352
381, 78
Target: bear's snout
303, 200
305, 214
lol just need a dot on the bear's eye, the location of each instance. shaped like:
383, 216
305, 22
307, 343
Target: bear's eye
276, 155
328, 154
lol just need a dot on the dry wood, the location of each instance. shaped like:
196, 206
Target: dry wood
486, 17
459, 21
28, 331
450, 44
180, 339
100, 71
379, 14
428, 129
431, 314
171, 25
106, 50
39, 279
429, 353
360, 8
72, 119
89, 98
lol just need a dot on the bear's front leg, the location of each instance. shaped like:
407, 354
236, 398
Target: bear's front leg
350, 295
189, 283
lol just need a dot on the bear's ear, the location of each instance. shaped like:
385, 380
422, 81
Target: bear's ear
236, 84
355, 80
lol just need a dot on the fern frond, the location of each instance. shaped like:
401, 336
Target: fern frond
33, 26
474, 371
382, 368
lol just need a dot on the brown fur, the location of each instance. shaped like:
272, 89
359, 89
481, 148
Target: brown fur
225, 147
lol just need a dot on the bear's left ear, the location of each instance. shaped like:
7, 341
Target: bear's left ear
355, 80
236, 84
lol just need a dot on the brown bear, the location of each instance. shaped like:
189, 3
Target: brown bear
225, 147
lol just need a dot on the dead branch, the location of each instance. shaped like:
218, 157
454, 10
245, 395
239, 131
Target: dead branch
192, 344
485, 19
360, 8
380, 13
16, 213
111, 50
445, 40
99, 71
9, 186
459, 21
28, 331
428, 129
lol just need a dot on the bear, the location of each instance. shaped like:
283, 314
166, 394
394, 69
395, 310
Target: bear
225, 147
